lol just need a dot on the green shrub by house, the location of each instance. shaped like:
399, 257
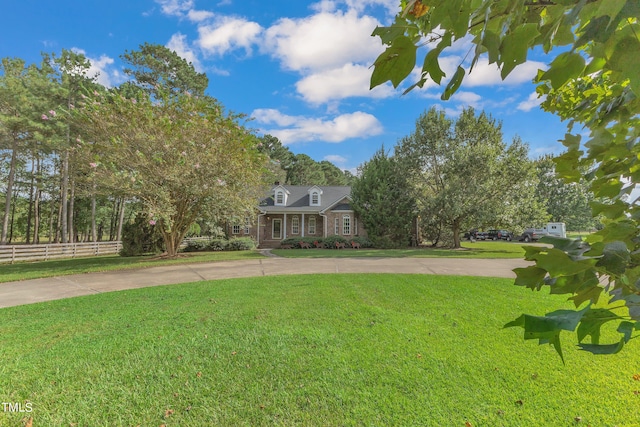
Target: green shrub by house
140, 238
240, 244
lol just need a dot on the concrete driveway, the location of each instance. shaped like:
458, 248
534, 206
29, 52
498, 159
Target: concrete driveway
38, 290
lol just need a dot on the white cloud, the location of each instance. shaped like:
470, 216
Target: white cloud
178, 43
175, 7
227, 34
303, 129
183, 9
335, 158
467, 98
451, 112
273, 116
485, 74
339, 83
532, 102
323, 41
102, 69
219, 71
199, 15
391, 6
324, 6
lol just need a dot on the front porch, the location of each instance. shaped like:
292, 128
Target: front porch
275, 227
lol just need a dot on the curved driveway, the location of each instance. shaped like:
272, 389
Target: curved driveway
38, 290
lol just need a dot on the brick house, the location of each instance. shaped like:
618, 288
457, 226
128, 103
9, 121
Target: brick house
301, 211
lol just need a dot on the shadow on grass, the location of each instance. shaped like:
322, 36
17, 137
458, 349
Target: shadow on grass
63, 267
469, 250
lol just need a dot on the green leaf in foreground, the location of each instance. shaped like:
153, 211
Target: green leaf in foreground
566, 66
546, 329
531, 277
454, 84
395, 63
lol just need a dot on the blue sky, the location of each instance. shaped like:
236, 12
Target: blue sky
300, 68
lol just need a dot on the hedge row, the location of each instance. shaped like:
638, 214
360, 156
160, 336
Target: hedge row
325, 242
235, 244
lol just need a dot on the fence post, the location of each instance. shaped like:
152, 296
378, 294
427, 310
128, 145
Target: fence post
13, 254
74, 250
46, 252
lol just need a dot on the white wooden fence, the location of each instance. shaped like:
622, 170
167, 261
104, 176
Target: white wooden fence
11, 254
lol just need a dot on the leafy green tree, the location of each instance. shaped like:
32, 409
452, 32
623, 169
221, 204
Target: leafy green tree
462, 172
273, 147
595, 83
567, 202
156, 69
382, 199
333, 175
14, 123
303, 170
184, 159
349, 178
140, 238
280, 158
22, 112
69, 77
299, 169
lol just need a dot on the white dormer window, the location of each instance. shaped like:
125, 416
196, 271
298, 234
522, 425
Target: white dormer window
280, 196
314, 196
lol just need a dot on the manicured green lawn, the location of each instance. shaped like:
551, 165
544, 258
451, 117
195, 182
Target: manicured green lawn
317, 350
34, 270
63, 267
578, 234
490, 249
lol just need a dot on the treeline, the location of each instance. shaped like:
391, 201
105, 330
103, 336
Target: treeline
79, 160
299, 169
449, 176
47, 196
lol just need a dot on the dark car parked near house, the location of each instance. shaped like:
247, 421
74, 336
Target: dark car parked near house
499, 235
532, 234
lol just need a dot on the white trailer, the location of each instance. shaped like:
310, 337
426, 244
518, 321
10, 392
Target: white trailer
556, 229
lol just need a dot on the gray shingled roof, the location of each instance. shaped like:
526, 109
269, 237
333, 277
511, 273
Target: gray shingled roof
298, 199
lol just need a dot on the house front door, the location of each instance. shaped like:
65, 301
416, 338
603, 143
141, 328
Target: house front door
277, 229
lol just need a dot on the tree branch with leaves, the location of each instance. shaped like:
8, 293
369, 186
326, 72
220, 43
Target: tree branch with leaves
593, 82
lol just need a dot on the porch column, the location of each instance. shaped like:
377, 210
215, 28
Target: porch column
324, 231
284, 231
303, 225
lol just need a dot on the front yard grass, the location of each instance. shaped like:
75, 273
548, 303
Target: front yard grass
490, 249
63, 267
316, 350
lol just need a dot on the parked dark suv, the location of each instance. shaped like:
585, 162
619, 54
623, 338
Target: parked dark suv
499, 235
476, 235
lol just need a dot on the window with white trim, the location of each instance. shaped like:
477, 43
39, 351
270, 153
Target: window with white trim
295, 225
336, 228
279, 197
315, 198
312, 225
346, 225
236, 229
